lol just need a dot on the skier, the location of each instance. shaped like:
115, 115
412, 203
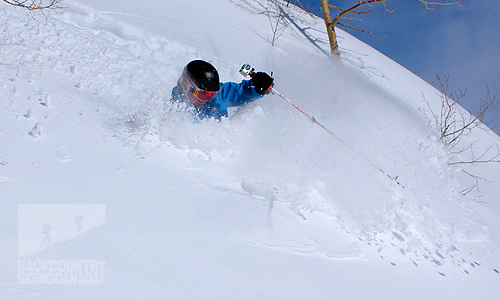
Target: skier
200, 88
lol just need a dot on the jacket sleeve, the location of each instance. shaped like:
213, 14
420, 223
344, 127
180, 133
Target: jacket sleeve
236, 94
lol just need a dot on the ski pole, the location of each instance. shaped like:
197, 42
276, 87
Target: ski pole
313, 119
247, 71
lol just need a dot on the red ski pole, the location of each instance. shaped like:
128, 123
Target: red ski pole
313, 119
248, 72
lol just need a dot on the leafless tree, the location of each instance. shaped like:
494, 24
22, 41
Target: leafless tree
281, 17
277, 21
345, 13
452, 122
33, 5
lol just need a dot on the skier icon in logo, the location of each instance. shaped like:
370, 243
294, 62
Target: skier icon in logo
46, 228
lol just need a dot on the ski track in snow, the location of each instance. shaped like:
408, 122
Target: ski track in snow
337, 204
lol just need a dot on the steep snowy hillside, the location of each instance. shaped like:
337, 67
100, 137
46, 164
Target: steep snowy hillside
111, 192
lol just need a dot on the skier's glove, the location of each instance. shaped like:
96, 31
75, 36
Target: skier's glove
263, 83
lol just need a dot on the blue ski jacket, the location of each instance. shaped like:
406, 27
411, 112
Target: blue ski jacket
231, 94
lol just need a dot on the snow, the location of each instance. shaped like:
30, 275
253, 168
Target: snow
263, 205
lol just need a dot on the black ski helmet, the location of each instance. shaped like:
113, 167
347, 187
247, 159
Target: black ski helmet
203, 75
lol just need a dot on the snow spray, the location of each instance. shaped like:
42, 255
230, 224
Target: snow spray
248, 72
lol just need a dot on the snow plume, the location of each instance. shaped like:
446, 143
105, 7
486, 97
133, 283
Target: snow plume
270, 150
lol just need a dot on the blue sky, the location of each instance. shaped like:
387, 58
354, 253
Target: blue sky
462, 42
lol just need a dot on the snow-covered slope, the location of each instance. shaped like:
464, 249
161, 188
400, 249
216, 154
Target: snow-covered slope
97, 167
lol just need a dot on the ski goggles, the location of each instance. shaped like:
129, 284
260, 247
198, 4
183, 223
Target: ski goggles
201, 94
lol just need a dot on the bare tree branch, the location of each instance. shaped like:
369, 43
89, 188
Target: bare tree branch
480, 159
453, 123
332, 23
475, 186
433, 4
276, 20
362, 30
353, 12
33, 5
